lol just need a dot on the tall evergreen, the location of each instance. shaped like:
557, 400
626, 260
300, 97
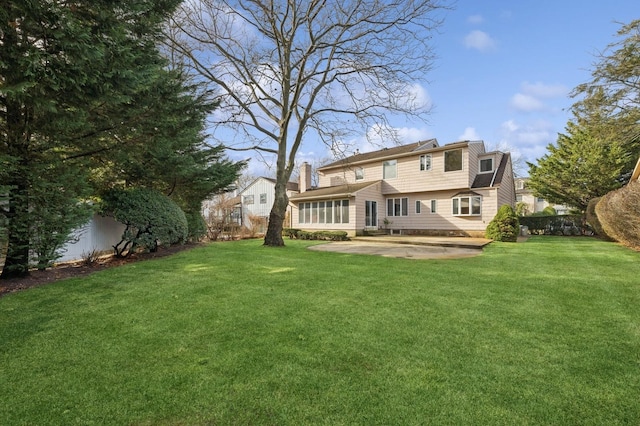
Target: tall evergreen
68, 73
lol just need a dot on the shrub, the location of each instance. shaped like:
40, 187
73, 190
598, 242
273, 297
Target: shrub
619, 214
504, 226
555, 225
197, 227
316, 235
150, 217
593, 221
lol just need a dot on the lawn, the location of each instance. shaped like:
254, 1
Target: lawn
542, 332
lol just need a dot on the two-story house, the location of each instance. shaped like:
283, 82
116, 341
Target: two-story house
419, 188
257, 200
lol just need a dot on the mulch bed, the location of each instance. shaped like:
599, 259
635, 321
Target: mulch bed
78, 269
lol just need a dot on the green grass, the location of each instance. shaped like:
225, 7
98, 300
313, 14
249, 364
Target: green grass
542, 332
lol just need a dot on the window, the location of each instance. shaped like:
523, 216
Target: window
519, 184
263, 198
519, 198
418, 205
359, 173
389, 169
247, 199
486, 165
425, 162
466, 206
433, 206
324, 212
397, 206
453, 160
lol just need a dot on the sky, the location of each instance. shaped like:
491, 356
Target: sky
504, 71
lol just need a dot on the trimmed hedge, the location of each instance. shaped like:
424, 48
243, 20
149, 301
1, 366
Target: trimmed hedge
556, 225
315, 235
593, 221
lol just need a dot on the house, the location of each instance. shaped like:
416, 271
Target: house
534, 204
419, 188
257, 200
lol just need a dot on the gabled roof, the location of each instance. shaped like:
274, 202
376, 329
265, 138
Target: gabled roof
487, 180
395, 151
291, 186
332, 192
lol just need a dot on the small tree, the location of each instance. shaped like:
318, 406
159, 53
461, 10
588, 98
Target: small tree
504, 226
150, 217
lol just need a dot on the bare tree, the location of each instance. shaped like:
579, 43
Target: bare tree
287, 68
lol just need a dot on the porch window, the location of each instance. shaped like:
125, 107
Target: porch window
467, 206
324, 212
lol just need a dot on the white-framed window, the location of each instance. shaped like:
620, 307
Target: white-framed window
247, 199
324, 212
466, 206
486, 165
519, 184
433, 206
418, 206
453, 160
390, 169
263, 198
397, 206
425, 162
359, 173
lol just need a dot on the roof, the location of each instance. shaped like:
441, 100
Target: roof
330, 192
291, 186
487, 180
411, 148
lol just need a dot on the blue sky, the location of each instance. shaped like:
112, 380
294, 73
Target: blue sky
504, 70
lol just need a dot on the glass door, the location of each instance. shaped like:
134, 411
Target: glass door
371, 214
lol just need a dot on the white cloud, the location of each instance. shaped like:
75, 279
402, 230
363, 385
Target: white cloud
475, 19
480, 40
469, 134
526, 103
531, 96
542, 90
527, 140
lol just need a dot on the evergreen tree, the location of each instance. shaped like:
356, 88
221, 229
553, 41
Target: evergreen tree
67, 73
578, 168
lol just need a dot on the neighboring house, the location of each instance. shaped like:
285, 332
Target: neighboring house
223, 208
257, 200
534, 204
419, 188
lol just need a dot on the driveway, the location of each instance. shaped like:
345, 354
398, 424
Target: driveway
409, 247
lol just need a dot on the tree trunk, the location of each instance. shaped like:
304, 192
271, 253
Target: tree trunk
16, 263
273, 237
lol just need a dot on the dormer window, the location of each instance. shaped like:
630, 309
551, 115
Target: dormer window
486, 165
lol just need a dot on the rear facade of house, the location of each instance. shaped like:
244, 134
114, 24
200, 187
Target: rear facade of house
416, 189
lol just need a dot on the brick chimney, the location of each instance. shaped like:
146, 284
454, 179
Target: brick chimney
305, 177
